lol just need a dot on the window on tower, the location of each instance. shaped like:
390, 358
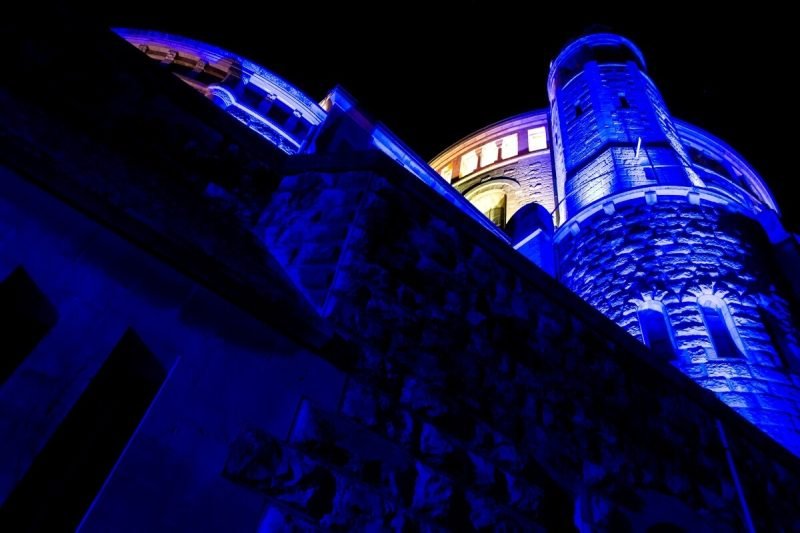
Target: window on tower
656, 329
720, 327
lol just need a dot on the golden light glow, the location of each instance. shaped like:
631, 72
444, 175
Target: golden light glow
537, 139
447, 172
489, 153
469, 162
493, 205
509, 147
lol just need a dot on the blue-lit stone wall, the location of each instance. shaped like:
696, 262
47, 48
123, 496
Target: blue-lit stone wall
672, 252
223, 371
613, 129
615, 134
436, 381
581, 121
469, 366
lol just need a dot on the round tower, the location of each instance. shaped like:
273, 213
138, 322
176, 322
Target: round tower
657, 229
611, 129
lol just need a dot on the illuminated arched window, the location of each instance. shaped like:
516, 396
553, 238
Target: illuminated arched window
656, 329
720, 327
492, 203
497, 213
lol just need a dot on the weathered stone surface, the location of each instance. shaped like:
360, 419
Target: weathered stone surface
257, 458
534, 384
719, 255
450, 386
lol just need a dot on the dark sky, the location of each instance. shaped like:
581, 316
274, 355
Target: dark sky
436, 71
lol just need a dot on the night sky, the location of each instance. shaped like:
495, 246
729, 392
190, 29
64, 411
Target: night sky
435, 74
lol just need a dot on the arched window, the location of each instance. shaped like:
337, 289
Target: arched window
720, 327
497, 213
492, 203
656, 329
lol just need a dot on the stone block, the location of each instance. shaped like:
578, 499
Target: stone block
717, 384
777, 403
766, 373
739, 400
433, 492
728, 368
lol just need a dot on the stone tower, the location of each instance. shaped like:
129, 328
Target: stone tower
655, 222
658, 233
226, 307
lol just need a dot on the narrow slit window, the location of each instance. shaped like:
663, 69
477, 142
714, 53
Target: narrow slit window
656, 330
578, 110
720, 327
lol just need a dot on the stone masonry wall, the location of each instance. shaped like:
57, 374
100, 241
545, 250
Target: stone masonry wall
469, 390
226, 370
615, 133
672, 252
508, 401
579, 120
